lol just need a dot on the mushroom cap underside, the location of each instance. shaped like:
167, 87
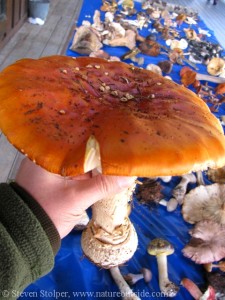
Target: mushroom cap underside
145, 125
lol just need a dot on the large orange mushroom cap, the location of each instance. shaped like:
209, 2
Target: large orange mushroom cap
145, 125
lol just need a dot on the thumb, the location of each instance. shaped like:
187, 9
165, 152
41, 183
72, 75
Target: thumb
103, 186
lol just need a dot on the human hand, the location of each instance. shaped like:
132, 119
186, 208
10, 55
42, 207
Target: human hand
66, 199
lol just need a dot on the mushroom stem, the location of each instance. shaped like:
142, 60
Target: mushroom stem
181, 188
192, 288
210, 78
166, 286
200, 178
110, 238
124, 288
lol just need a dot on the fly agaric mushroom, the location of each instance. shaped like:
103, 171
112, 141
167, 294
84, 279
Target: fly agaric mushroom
83, 115
205, 202
161, 248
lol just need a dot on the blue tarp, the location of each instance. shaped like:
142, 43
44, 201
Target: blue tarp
75, 277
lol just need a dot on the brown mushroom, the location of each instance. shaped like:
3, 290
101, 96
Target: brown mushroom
72, 115
150, 47
188, 76
217, 175
166, 66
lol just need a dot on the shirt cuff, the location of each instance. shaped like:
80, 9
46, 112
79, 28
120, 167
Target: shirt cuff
41, 215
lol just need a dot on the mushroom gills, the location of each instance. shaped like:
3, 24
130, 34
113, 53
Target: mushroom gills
92, 159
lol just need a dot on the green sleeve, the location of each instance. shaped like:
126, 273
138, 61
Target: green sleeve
28, 240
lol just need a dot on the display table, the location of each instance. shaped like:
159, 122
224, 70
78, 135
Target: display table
75, 277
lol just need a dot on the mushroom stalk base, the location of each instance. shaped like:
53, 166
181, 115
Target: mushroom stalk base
110, 238
126, 292
166, 286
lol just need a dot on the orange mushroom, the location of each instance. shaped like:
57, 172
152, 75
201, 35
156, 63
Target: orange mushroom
188, 76
72, 115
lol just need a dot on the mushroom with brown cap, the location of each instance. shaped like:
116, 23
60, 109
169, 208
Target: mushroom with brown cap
207, 243
209, 267
189, 76
205, 203
161, 248
81, 115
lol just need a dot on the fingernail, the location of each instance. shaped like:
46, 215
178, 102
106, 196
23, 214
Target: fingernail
127, 181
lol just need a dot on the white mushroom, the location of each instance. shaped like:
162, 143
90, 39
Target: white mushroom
216, 66
205, 203
154, 68
145, 274
171, 205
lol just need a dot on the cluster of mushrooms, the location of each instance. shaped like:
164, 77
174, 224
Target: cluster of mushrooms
121, 26
97, 114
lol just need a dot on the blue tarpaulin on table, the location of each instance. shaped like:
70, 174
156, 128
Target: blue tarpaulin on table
75, 277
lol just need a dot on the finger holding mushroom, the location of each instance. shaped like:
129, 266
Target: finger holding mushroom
161, 249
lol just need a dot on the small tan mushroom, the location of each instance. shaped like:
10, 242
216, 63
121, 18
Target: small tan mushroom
216, 66
205, 203
129, 40
190, 34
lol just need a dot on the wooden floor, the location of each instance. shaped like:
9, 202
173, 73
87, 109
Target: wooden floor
35, 41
